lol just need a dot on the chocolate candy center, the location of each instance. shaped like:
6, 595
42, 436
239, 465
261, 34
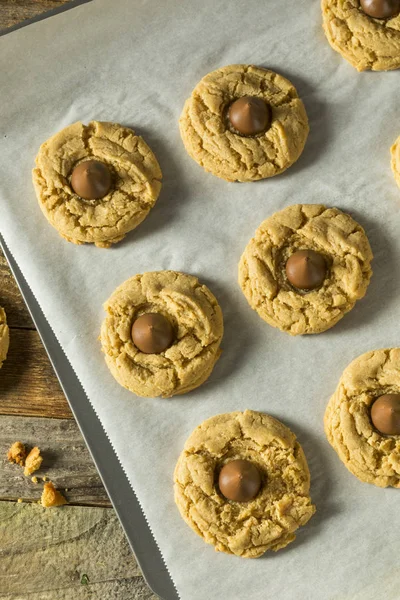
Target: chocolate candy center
91, 180
239, 480
306, 269
385, 414
381, 9
152, 333
250, 115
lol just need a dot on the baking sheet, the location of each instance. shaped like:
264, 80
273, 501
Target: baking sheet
136, 63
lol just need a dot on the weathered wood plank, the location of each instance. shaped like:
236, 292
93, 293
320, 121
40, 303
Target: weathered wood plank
11, 299
28, 384
15, 11
46, 552
123, 589
66, 461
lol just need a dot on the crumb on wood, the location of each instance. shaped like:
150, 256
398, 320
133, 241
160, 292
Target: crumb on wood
51, 496
19, 500
33, 461
17, 453
34, 479
45, 478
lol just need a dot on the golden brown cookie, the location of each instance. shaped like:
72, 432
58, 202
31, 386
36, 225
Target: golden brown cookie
395, 153
51, 496
197, 322
282, 505
17, 454
366, 42
368, 454
4, 336
333, 234
213, 143
135, 182
33, 461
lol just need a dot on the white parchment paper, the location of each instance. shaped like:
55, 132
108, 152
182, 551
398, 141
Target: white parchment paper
135, 62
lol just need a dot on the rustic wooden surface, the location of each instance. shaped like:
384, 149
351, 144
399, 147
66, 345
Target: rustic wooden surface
28, 385
12, 12
66, 461
67, 553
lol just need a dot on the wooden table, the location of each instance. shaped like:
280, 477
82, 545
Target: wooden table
73, 552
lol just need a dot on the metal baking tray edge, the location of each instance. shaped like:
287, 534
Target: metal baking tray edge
119, 490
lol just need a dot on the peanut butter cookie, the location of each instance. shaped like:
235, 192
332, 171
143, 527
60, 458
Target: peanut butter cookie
395, 152
365, 41
305, 268
162, 333
244, 123
96, 182
4, 336
362, 419
278, 506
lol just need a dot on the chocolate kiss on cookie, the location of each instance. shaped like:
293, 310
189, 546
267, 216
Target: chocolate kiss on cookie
381, 9
385, 414
250, 115
152, 333
239, 480
306, 269
91, 180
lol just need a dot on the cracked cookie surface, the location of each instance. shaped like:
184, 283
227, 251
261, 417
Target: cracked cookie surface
218, 149
371, 456
197, 321
136, 182
395, 153
367, 43
335, 235
4, 336
267, 522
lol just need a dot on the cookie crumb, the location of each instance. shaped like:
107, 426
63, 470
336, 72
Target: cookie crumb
33, 461
34, 479
17, 454
51, 496
19, 500
45, 478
